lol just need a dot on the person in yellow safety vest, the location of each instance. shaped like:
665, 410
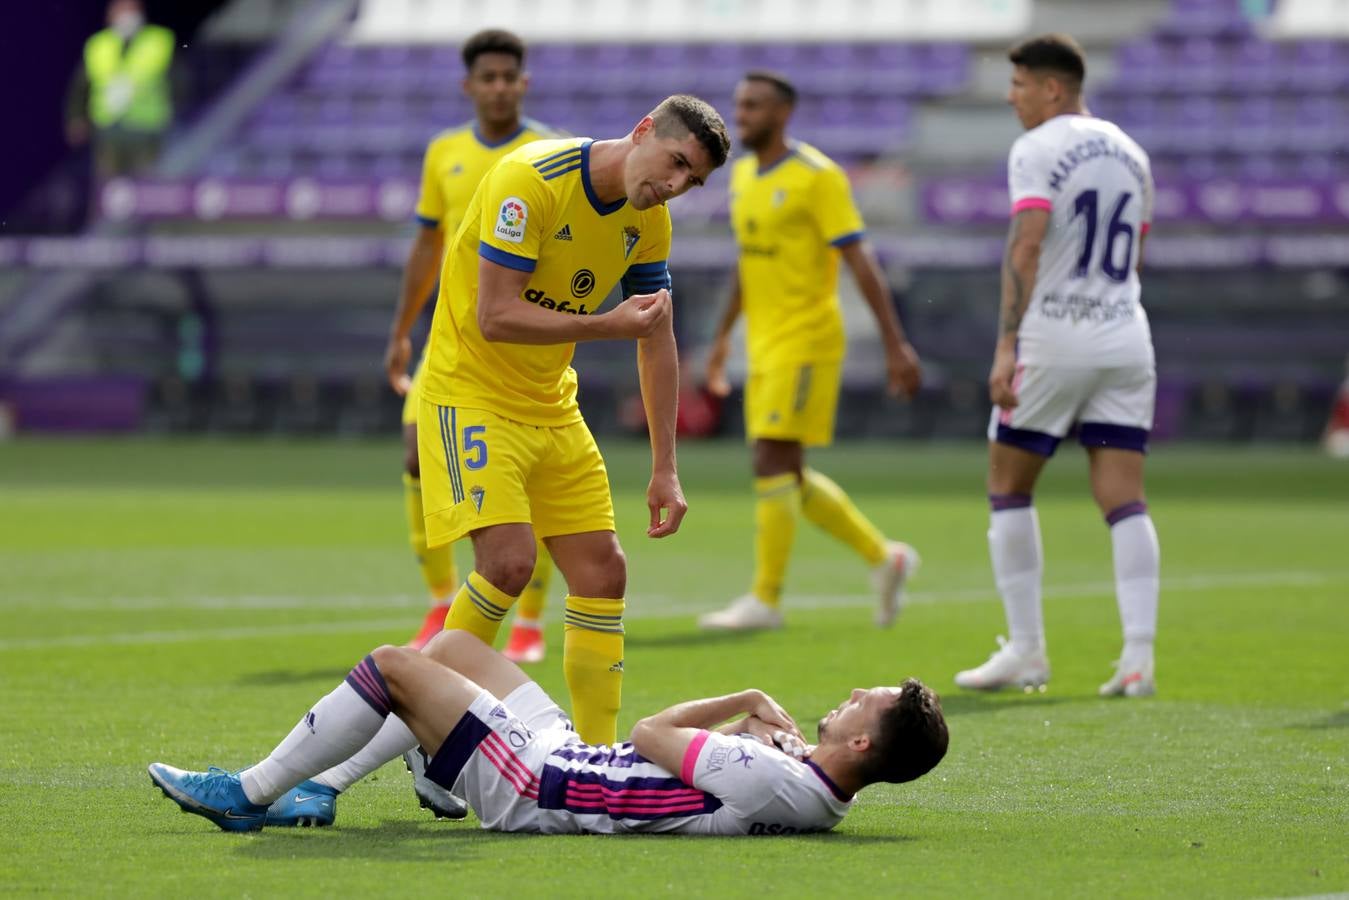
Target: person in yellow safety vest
120, 93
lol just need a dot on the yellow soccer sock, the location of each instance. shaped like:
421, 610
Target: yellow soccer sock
479, 608
779, 500
437, 564
536, 593
592, 660
825, 504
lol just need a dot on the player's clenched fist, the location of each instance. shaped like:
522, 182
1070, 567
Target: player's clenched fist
641, 315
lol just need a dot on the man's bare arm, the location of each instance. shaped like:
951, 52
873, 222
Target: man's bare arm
903, 371
665, 737
504, 317
715, 371
1020, 264
419, 275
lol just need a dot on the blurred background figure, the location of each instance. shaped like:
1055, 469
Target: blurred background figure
120, 95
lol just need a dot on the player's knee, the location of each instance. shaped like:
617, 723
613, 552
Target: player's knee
391, 661
607, 575
508, 573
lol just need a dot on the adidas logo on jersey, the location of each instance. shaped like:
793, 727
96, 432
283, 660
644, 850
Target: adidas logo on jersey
563, 233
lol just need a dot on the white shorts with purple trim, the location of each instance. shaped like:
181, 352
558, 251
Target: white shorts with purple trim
495, 754
1111, 407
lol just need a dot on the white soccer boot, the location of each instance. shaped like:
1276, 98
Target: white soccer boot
889, 578
1133, 677
747, 613
1007, 667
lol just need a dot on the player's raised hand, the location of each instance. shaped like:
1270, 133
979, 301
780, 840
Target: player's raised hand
396, 357
717, 384
767, 709
1000, 379
641, 315
903, 370
665, 496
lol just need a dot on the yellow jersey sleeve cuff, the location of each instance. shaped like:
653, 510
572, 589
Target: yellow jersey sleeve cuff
426, 221
844, 240
502, 258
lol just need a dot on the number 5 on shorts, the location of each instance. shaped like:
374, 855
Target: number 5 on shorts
475, 445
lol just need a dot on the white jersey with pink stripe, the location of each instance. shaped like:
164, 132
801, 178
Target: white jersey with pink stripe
522, 768
730, 785
1096, 183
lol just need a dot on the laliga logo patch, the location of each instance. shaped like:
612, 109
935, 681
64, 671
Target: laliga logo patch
511, 221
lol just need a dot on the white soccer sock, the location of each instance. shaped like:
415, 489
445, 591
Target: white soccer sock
1018, 564
1137, 577
392, 741
338, 725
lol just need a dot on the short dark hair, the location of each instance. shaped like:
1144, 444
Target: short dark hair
785, 89
683, 114
911, 736
1057, 53
493, 40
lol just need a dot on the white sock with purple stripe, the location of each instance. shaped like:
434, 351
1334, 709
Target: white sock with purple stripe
1018, 565
393, 740
340, 724
1137, 574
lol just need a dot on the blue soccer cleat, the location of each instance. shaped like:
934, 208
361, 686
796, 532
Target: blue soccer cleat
215, 794
307, 805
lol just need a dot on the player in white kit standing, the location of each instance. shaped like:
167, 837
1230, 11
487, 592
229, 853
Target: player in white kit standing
1074, 350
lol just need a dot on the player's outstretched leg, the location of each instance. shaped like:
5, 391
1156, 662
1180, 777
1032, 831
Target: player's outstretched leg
337, 726
892, 563
525, 643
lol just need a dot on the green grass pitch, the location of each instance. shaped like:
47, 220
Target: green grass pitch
186, 600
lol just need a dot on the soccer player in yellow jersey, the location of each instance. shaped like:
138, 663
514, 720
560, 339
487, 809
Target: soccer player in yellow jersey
504, 452
793, 215
455, 161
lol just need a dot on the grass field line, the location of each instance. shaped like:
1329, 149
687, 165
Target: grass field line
651, 607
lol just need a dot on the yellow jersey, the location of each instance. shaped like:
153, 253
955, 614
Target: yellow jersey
455, 161
789, 221
536, 211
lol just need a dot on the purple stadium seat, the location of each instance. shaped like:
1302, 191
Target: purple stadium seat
894, 69
1250, 66
1142, 67
1255, 127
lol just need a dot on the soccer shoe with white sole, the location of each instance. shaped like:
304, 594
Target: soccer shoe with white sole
307, 805
1007, 668
439, 800
215, 794
747, 613
889, 578
1133, 678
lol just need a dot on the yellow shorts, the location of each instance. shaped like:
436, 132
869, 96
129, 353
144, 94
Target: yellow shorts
794, 404
411, 400
479, 469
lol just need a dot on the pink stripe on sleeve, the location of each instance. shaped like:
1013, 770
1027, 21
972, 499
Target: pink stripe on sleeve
1145, 227
1031, 203
691, 758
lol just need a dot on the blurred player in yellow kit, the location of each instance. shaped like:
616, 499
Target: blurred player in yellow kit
505, 455
455, 162
793, 214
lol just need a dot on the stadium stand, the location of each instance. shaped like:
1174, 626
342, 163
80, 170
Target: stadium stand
269, 253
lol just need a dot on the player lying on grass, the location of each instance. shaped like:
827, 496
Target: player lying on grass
522, 768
